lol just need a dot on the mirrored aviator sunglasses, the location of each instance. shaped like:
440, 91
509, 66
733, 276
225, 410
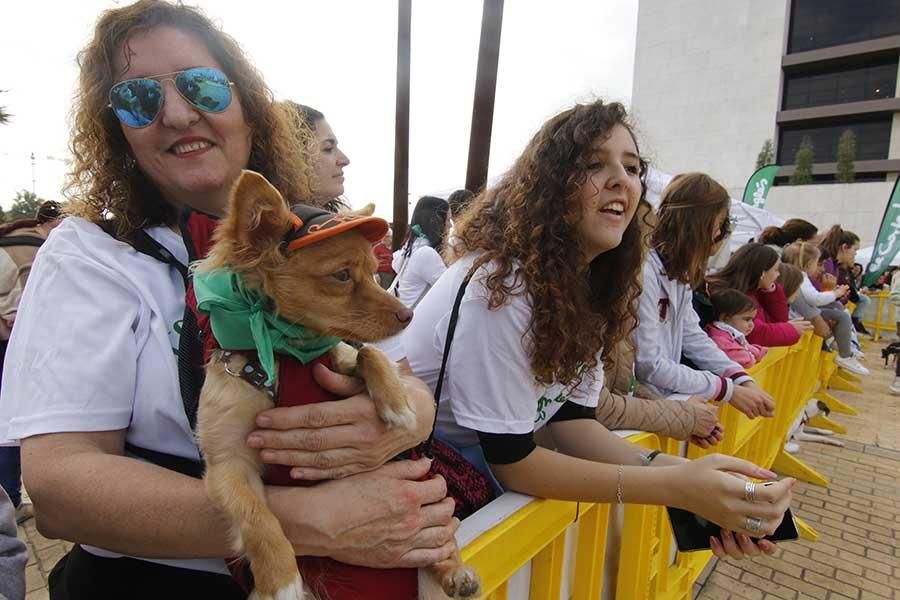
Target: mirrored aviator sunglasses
137, 102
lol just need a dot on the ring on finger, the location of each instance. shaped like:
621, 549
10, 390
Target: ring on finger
750, 491
753, 524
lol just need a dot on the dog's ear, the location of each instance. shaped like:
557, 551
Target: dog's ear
259, 215
366, 211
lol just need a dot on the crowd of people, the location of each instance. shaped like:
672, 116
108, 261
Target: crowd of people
577, 308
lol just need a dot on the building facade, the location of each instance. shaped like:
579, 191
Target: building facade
714, 80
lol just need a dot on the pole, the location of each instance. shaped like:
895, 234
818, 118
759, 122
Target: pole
33, 178
401, 123
485, 92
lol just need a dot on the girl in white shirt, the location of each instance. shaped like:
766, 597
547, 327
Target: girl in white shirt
806, 256
554, 256
418, 262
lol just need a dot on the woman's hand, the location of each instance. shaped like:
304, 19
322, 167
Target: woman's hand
386, 518
801, 325
713, 487
739, 545
706, 417
330, 440
752, 401
716, 436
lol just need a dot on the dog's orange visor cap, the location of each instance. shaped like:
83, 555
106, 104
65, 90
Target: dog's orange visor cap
313, 225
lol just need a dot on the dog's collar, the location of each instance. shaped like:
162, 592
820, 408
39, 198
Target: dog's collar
251, 371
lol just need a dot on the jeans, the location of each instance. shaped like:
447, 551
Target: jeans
842, 329
11, 473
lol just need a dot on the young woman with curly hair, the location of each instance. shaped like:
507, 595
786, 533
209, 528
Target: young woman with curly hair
693, 223
93, 378
554, 255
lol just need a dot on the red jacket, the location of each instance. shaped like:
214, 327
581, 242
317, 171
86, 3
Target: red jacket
385, 257
770, 326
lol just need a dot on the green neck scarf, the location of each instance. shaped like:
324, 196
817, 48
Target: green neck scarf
240, 321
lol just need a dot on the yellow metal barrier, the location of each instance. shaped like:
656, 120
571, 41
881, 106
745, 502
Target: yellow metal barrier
885, 319
563, 545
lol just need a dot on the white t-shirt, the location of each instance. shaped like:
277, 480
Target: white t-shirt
489, 385
95, 347
423, 268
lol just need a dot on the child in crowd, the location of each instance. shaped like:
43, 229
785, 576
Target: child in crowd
807, 256
753, 270
791, 278
736, 313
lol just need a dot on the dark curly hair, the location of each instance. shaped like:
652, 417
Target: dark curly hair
526, 227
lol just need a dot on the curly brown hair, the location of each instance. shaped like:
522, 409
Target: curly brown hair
526, 227
105, 179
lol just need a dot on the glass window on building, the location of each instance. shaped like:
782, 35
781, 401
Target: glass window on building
873, 137
840, 85
822, 23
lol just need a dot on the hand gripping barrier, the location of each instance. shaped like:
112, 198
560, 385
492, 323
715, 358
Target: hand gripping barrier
527, 548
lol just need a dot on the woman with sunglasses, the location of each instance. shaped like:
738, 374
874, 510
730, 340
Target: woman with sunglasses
167, 114
693, 224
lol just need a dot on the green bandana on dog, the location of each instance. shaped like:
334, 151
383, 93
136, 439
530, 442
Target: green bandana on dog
240, 321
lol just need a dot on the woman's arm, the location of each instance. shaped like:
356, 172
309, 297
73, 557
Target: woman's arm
85, 491
704, 486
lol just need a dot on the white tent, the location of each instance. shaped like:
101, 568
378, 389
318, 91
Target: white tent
864, 255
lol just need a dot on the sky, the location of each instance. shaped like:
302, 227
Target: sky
339, 56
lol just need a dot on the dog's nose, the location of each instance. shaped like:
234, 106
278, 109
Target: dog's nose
404, 315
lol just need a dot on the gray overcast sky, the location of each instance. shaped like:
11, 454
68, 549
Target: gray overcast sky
340, 57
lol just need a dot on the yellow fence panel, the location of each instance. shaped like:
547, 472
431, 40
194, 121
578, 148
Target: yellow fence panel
535, 535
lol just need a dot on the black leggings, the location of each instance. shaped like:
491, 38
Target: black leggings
80, 575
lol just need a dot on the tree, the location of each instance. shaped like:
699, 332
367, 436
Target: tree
803, 163
766, 155
846, 156
25, 206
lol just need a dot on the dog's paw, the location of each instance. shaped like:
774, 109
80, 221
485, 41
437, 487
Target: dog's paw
292, 591
462, 584
404, 417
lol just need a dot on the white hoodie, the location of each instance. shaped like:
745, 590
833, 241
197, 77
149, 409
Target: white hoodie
669, 326
423, 267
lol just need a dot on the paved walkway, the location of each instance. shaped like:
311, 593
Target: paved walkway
857, 517
857, 554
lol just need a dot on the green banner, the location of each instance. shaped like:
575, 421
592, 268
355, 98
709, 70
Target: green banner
887, 244
758, 186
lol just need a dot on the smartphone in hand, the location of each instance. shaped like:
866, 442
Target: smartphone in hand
692, 532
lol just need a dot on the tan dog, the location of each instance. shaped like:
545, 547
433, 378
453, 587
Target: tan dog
328, 287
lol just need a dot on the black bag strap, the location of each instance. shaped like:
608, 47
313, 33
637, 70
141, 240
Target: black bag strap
190, 347
21, 240
185, 466
451, 329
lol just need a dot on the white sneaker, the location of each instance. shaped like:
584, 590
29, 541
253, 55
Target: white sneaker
851, 364
792, 448
859, 354
895, 387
